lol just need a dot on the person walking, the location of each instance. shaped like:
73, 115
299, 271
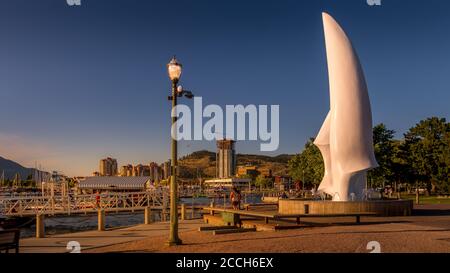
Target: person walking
97, 199
235, 198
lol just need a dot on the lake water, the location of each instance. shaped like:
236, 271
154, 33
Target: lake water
65, 224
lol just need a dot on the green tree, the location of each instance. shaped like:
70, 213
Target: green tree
29, 182
384, 148
307, 166
401, 170
251, 174
428, 152
263, 182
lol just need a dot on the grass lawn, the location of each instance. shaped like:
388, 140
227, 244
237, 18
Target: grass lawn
427, 200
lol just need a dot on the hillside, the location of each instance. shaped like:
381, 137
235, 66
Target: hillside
203, 163
11, 168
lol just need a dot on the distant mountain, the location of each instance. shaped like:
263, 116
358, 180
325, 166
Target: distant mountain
203, 163
11, 168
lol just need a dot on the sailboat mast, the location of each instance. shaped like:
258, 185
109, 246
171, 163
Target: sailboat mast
35, 176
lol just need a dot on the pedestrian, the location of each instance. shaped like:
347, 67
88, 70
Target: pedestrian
97, 199
235, 197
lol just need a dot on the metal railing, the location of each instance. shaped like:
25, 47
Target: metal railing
115, 201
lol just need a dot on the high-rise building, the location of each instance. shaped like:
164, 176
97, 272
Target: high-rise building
138, 170
156, 172
126, 170
167, 169
226, 168
108, 167
129, 170
225, 159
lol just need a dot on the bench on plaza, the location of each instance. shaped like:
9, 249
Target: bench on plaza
233, 216
9, 239
262, 205
332, 215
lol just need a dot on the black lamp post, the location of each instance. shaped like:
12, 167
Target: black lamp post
174, 69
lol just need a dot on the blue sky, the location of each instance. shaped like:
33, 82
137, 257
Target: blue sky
81, 83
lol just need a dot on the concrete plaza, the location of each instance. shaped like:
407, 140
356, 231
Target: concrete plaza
427, 231
97, 239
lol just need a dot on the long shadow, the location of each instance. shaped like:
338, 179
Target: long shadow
145, 230
317, 234
315, 224
325, 224
431, 212
99, 237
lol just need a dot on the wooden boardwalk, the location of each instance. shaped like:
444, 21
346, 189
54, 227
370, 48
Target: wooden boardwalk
84, 204
89, 240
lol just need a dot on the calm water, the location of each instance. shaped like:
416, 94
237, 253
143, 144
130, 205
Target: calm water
81, 222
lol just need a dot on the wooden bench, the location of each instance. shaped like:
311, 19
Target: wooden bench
9, 239
267, 216
263, 205
298, 216
239, 213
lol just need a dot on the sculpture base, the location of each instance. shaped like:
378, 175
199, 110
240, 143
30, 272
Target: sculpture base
380, 207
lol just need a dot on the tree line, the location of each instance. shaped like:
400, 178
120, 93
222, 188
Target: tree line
420, 159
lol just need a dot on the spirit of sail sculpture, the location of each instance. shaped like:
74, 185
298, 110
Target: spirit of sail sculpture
345, 139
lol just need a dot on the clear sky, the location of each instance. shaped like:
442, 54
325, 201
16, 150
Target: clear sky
81, 83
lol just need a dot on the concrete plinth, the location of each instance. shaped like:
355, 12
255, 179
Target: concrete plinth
40, 226
183, 211
101, 220
147, 216
381, 207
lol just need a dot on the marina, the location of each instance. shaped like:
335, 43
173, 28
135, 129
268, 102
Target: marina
73, 213
231, 127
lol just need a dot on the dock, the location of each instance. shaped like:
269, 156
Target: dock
89, 240
84, 204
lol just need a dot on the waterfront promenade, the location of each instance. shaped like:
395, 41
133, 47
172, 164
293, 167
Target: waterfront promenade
427, 231
412, 234
90, 240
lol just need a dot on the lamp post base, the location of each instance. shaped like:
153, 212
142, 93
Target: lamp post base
174, 243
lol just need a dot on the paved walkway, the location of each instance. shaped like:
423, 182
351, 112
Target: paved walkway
93, 239
415, 234
428, 231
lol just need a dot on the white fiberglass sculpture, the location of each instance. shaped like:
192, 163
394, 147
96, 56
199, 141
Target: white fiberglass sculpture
345, 139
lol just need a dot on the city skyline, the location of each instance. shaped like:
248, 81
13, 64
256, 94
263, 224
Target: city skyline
90, 82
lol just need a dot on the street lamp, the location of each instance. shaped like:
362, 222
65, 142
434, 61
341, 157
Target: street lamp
174, 69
